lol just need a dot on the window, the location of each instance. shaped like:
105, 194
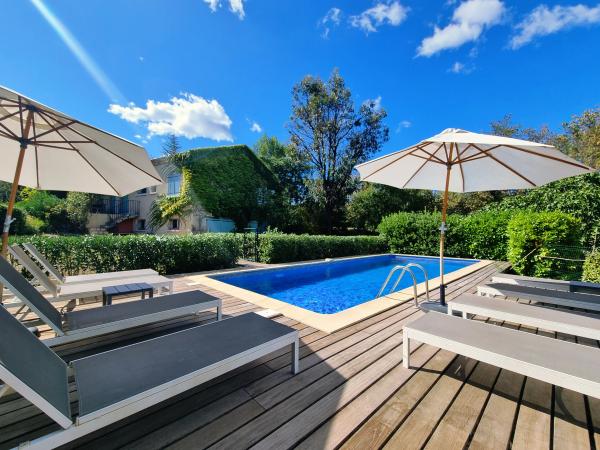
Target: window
174, 184
142, 191
174, 224
141, 225
152, 189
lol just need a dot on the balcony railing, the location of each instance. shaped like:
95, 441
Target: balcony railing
116, 208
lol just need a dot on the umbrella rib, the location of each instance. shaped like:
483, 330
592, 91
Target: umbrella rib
462, 174
114, 154
421, 167
581, 166
117, 193
9, 133
505, 166
64, 139
37, 166
407, 152
8, 116
432, 155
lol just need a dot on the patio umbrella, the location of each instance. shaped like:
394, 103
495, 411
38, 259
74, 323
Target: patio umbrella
461, 161
46, 149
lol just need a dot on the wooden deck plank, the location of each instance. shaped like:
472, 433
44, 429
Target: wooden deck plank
247, 433
352, 393
496, 423
379, 409
422, 420
456, 426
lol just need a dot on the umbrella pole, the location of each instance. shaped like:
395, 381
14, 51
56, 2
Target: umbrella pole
13, 192
443, 227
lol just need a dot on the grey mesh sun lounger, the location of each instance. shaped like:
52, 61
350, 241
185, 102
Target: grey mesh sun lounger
549, 296
545, 318
77, 325
82, 289
119, 383
583, 287
70, 279
566, 364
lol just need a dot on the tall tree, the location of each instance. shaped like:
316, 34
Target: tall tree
333, 135
581, 139
287, 165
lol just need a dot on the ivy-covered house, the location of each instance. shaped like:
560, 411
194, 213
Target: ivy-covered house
216, 189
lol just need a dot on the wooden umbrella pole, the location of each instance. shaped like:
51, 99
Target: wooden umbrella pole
443, 226
13, 191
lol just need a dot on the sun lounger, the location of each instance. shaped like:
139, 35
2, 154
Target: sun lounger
76, 325
69, 279
548, 296
566, 364
119, 383
87, 289
533, 316
583, 287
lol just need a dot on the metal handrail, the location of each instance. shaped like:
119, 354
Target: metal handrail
404, 270
418, 266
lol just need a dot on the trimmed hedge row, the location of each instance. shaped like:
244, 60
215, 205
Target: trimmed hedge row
166, 254
591, 267
274, 247
480, 235
536, 239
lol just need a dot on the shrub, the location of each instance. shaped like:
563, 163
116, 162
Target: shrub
591, 267
535, 239
484, 235
19, 225
166, 254
277, 247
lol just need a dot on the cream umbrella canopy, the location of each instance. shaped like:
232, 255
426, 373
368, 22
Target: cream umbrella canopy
461, 161
46, 149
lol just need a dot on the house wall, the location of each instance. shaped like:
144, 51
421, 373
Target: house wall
191, 223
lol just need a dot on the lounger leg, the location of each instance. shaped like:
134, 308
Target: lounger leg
465, 315
219, 312
295, 357
450, 310
406, 350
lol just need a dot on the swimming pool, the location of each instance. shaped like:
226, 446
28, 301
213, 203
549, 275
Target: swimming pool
334, 286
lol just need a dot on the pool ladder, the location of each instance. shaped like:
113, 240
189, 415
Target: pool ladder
406, 268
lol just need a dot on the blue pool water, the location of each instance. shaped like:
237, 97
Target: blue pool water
333, 286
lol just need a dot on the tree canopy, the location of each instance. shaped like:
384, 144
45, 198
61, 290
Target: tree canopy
333, 135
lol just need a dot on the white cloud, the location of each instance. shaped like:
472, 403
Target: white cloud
403, 125
543, 21
469, 20
255, 127
141, 58
212, 4
235, 6
391, 13
139, 136
329, 20
375, 103
459, 67
188, 115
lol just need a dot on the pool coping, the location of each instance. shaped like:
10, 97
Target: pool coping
330, 323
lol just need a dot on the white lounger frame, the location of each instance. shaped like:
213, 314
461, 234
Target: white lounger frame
98, 330
94, 421
569, 303
78, 290
504, 362
87, 278
526, 319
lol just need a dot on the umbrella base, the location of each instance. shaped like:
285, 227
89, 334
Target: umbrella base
433, 306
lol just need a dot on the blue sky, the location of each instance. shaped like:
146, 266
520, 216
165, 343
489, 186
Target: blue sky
221, 72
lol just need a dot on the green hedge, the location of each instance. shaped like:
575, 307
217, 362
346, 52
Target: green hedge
535, 239
591, 267
480, 235
19, 226
276, 247
166, 254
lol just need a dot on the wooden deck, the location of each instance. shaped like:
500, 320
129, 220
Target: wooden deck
352, 393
